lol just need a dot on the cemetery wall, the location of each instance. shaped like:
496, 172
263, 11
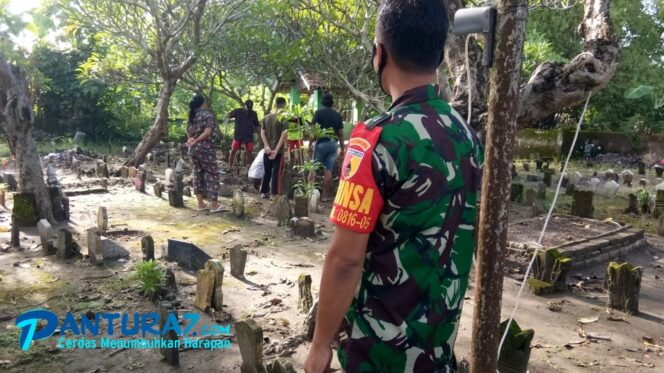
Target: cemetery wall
553, 143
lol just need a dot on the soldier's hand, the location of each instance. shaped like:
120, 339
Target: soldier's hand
319, 359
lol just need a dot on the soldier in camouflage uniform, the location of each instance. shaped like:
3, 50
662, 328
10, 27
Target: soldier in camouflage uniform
405, 212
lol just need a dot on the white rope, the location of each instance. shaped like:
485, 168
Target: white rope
546, 224
470, 80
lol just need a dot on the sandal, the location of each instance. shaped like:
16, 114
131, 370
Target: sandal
219, 209
202, 208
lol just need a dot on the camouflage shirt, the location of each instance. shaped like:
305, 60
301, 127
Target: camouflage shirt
416, 193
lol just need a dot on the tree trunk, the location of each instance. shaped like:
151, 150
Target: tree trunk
16, 120
160, 127
497, 178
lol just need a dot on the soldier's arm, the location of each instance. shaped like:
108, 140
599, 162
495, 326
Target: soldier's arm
341, 275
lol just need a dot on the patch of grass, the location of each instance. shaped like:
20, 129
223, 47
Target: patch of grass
149, 275
10, 351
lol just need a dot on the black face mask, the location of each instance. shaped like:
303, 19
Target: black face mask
381, 67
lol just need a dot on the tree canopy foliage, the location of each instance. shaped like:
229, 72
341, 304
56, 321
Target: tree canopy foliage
110, 68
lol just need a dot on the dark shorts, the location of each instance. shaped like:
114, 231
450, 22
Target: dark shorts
326, 153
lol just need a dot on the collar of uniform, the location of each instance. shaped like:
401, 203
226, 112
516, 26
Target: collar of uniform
418, 94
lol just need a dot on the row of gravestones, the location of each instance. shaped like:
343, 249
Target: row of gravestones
62, 244
622, 280
209, 296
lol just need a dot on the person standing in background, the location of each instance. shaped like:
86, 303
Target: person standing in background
326, 149
246, 124
273, 133
203, 152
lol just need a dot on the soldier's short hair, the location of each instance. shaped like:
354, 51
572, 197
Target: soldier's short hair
413, 32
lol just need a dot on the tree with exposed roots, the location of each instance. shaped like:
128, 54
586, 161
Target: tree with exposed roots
16, 120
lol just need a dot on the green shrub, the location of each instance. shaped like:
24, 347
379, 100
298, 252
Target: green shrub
150, 276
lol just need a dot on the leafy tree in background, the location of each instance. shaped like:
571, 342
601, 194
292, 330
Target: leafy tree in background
165, 39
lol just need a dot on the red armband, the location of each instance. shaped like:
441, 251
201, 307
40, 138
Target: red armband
358, 203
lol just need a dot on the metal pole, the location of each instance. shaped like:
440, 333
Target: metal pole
494, 207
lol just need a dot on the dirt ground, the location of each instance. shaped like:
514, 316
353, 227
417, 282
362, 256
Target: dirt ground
269, 293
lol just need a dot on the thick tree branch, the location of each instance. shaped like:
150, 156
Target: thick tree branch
555, 86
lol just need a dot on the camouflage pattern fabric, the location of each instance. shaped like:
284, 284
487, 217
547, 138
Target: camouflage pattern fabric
427, 168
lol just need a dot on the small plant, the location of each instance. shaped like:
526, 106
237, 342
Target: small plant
305, 185
150, 276
308, 167
644, 199
315, 132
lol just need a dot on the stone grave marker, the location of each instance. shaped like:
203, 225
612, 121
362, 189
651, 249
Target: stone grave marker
132, 172
250, 340
548, 177
217, 268
303, 227
280, 366
659, 203
238, 203
158, 189
516, 354
314, 201
104, 183
56, 196
516, 192
660, 227
170, 177
642, 168
10, 180
623, 281
281, 210
530, 196
186, 191
633, 207
204, 289
102, 219
309, 324
526, 166
45, 231
15, 233
112, 251
238, 261
582, 204
65, 207
175, 198
541, 191
169, 281
306, 299
65, 245
188, 255
301, 207
643, 183
51, 175
139, 182
147, 247
628, 178
166, 310
94, 246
